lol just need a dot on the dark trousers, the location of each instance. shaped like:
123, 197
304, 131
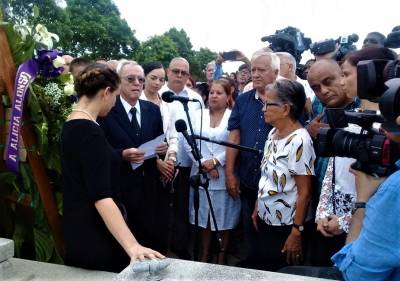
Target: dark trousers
180, 215
146, 202
270, 240
248, 198
323, 248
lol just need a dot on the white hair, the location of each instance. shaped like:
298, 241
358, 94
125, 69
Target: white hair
275, 62
123, 62
179, 59
287, 57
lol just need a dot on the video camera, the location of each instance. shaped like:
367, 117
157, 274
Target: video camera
289, 39
377, 81
393, 38
345, 44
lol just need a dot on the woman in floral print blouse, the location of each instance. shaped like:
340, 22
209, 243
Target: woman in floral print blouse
284, 189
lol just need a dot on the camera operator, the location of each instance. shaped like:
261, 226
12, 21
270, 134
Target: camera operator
325, 78
373, 245
349, 68
376, 39
334, 182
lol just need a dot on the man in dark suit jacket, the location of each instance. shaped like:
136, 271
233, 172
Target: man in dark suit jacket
129, 124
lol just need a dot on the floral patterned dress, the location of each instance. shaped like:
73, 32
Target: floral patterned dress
283, 159
338, 198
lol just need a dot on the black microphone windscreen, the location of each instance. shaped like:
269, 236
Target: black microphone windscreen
180, 125
167, 96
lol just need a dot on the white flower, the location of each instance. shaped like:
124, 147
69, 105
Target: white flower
44, 37
58, 62
23, 30
69, 89
54, 93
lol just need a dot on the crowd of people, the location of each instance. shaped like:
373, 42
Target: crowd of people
286, 205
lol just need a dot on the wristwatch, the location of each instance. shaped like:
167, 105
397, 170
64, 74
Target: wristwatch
299, 227
358, 205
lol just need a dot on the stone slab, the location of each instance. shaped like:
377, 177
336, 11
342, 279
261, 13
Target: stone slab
178, 270
6, 249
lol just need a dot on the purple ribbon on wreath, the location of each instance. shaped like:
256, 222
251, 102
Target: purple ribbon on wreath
41, 64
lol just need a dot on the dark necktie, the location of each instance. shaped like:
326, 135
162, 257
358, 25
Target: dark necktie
134, 121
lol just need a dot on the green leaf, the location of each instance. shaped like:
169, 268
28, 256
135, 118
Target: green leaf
35, 11
5, 100
27, 181
44, 245
7, 177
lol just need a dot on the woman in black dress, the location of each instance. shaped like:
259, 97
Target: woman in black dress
95, 232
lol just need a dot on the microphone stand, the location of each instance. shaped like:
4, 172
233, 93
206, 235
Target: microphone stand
200, 179
229, 144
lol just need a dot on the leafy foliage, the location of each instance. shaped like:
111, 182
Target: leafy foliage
98, 31
202, 58
48, 108
33, 12
157, 48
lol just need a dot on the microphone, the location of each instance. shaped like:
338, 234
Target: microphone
170, 97
180, 126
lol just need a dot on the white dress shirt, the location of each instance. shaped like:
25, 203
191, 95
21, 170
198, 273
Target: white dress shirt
128, 108
177, 108
168, 117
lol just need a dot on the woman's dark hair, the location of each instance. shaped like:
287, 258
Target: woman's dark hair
190, 78
78, 62
292, 93
224, 83
95, 77
370, 53
149, 67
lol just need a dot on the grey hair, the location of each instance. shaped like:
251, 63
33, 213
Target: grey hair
122, 63
179, 59
290, 92
287, 56
275, 62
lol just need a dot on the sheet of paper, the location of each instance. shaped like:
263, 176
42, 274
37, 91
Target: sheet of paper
149, 149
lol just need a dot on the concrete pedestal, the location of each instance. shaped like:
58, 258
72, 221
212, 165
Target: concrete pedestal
19, 269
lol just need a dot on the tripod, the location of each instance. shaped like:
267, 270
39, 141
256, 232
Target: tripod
200, 179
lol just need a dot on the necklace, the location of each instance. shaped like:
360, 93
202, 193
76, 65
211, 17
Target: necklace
86, 113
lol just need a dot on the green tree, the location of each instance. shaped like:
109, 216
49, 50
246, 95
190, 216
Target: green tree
182, 42
99, 31
157, 48
202, 57
46, 12
185, 49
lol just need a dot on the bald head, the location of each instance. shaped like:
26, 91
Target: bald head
325, 78
326, 65
67, 60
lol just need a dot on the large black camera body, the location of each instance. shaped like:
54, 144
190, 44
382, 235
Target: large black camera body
378, 81
342, 46
291, 40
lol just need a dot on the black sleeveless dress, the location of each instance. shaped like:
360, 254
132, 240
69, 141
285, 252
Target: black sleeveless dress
90, 168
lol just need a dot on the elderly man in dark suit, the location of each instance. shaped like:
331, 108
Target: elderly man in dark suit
129, 124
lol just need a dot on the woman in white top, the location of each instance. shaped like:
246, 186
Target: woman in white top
155, 78
226, 209
286, 174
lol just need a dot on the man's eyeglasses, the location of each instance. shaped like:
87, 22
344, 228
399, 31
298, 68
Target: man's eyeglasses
181, 72
132, 78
